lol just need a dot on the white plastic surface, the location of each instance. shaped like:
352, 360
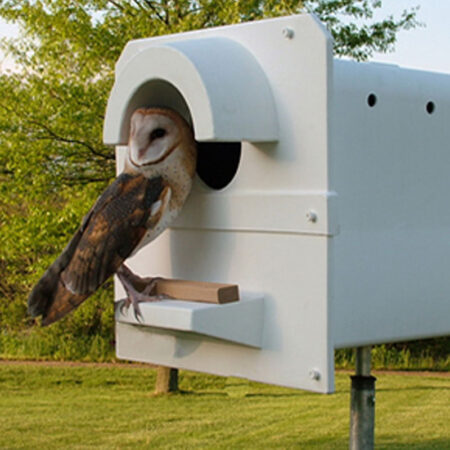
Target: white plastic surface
239, 322
226, 94
290, 212
390, 166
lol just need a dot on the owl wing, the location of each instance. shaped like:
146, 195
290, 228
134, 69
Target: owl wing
107, 236
116, 225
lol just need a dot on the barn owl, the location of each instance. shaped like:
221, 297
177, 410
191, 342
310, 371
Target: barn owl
131, 212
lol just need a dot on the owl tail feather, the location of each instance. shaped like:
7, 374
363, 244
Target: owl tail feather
53, 306
49, 297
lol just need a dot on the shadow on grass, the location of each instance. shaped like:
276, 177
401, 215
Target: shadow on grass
274, 395
383, 443
425, 444
230, 393
414, 388
182, 393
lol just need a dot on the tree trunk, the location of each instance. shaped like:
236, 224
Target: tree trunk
166, 380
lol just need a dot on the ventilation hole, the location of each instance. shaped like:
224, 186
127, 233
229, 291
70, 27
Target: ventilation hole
218, 162
430, 107
372, 100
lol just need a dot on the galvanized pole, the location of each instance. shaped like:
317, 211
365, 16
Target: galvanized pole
362, 403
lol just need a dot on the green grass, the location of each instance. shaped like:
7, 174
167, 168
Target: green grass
57, 344
113, 407
40, 344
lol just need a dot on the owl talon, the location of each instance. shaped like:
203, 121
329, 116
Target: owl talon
137, 314
129, 281
125, 306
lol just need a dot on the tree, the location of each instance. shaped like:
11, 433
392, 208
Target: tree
52, 160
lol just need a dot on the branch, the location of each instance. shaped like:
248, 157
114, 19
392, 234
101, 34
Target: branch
188, 12
138, 4
167, 11
122, 8
157, 13
56, 137
117, 5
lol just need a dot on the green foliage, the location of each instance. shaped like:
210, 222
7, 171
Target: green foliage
86, 335
430, 354
53, 163
359, 36
56, 407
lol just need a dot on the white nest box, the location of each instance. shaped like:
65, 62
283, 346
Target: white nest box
322, 191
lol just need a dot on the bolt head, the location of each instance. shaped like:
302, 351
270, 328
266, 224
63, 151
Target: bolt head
288, 33
311, 216
314, 374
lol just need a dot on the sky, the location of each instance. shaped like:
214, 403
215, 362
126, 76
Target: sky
425, 48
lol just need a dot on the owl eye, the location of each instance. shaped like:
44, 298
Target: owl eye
157, 133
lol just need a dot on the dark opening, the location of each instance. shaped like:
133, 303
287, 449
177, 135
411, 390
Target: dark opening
430, 107
218, 162
372, 100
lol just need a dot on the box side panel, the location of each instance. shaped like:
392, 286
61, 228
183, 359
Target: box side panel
390, 165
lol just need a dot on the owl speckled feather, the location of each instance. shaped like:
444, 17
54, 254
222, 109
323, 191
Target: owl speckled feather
131, 212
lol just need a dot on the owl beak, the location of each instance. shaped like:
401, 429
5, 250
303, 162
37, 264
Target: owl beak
141, 152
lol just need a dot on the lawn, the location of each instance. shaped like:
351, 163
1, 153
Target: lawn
61, 406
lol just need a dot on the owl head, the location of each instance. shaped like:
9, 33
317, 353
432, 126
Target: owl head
155, 134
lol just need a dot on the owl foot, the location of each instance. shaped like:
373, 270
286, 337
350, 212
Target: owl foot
139, 290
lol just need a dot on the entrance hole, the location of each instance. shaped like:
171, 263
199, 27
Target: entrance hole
218, 163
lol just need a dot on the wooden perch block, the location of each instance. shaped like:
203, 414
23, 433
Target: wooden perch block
198, 291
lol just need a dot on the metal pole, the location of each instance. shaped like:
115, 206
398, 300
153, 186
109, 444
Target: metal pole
362, 403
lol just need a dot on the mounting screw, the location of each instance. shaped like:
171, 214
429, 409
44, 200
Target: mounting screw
311, 216
288, 33
314, 374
